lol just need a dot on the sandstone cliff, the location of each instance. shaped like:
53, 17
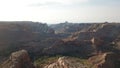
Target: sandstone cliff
105, 60
19, 59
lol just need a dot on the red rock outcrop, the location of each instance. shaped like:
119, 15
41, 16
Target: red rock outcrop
19, 59
104, 60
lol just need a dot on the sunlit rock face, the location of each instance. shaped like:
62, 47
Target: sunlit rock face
66, 62
105, 60
19, 59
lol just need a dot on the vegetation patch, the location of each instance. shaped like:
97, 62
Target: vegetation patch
46, 60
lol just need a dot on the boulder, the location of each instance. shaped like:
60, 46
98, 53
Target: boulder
19, 59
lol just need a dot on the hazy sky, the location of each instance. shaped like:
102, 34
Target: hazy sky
55, 11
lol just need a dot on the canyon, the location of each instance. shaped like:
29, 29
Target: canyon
27, 44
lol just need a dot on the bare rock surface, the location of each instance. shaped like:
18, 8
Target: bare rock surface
19, 59
66, 62
104, 60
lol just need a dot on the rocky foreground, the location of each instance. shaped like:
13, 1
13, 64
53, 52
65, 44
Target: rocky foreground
21, 59
66, 62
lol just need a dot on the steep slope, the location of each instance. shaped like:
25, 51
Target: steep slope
105, 60
97, 37
107, 35
67, 27
18, 35
73, 48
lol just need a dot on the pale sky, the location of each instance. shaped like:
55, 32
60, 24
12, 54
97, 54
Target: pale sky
56, 11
